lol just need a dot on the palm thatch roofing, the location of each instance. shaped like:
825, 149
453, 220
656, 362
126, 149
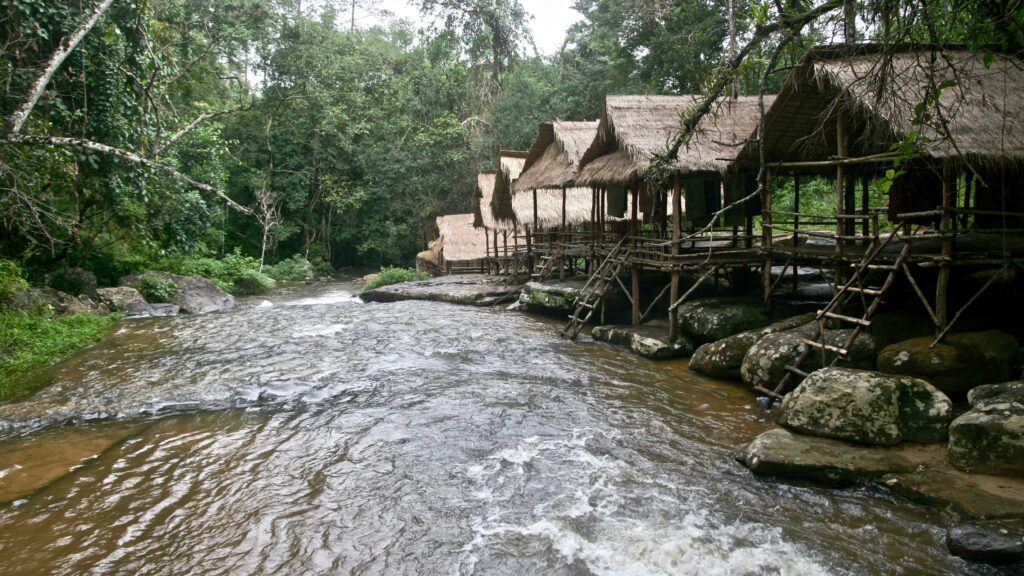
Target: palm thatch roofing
554, 158
483, 216
578, 204
884, 96
633, 128
460, 240
510, 165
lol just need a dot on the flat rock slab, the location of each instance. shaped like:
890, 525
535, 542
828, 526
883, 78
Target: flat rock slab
472, 289
783, 454
649, 340
30, 464
989, 541
551, 295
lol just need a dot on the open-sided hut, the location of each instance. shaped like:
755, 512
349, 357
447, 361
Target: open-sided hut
463, 246
547, 180
940, 129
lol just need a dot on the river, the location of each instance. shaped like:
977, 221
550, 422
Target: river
313, 433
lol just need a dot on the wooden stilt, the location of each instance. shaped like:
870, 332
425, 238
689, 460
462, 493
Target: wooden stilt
634, 273
865, 205
796, 227
766, 238
677, 228
840, 200
942, 286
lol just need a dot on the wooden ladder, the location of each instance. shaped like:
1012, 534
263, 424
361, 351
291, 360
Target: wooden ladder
856, 286
548, 265
596, 288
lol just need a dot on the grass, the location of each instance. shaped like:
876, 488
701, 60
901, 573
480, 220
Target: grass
29, 342
395, 275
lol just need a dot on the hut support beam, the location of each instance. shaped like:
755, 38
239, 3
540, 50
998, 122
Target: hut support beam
942, 286
766, 236
677, 230
840, 200
796, 228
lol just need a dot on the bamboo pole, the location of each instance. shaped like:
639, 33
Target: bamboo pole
840, 204
796, 227
766, 237
677, 230
942, 286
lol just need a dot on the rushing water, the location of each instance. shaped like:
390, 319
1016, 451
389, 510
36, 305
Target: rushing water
317, 434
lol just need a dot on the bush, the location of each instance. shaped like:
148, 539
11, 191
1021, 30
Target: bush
156, 288
30, 341
395, 275
234, 273
291, 269
11, 279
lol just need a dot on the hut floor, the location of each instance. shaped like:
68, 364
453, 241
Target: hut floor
969, 248
472, 289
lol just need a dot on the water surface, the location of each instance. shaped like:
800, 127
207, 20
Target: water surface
312, 433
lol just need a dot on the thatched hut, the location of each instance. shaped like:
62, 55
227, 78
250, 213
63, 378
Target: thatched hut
546, 182
510, 165
942, 128
463, 246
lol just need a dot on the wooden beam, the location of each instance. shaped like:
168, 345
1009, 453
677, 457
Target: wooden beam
840, 181
677, 230
942, 286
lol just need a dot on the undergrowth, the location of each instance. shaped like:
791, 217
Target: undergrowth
395, 275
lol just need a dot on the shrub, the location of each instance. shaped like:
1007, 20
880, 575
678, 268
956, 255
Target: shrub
30, 341
234, 273
321, 267
290, 269
11, 279
155, 288
251, 282
395, 275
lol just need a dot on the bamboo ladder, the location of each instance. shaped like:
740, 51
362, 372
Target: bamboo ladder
871, 299
596, 288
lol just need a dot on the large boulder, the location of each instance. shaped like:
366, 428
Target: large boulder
989, 438
74, 281
867, 408
649, 340
999, 541
957, 364
43, 300
194, 295
123, 299
723, 358
765, 363
711, 319
783, 454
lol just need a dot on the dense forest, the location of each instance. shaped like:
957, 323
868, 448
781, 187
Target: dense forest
265, 129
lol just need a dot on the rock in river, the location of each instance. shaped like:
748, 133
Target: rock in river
831, 462
648, 340
723, 358
958, 363
989, 541
989, 438
867, 408
765, 362
710, 319
195, 295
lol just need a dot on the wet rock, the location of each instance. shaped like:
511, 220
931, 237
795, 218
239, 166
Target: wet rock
72, 281
40, 300
783, 454
550, 296
472, 289
989, 438
867, 408
723, 358
985, 393
959, 363
163, 310
123, 299
195, 295
711, 319
765, 363
988, 541
648, 340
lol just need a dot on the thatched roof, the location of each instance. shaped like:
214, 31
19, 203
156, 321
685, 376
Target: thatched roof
460, 240
554, 158
483, 217
510, 165
633, 128
881, 96
578, 203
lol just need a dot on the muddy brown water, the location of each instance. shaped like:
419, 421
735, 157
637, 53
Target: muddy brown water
312, 433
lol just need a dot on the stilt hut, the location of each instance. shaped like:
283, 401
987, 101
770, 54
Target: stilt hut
939, 132
548, 204
462, 246
631, 131
508, 255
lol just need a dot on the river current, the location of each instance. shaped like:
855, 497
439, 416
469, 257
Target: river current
311, 433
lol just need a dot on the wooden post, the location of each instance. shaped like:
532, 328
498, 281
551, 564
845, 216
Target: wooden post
535, 217
677, 232
633, 211
840, 195
942, 286
766, 237
865, 205
504, 241
635, 289
796, 228
529, 251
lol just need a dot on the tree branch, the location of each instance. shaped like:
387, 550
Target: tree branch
16, 121
198, 120
124, 155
